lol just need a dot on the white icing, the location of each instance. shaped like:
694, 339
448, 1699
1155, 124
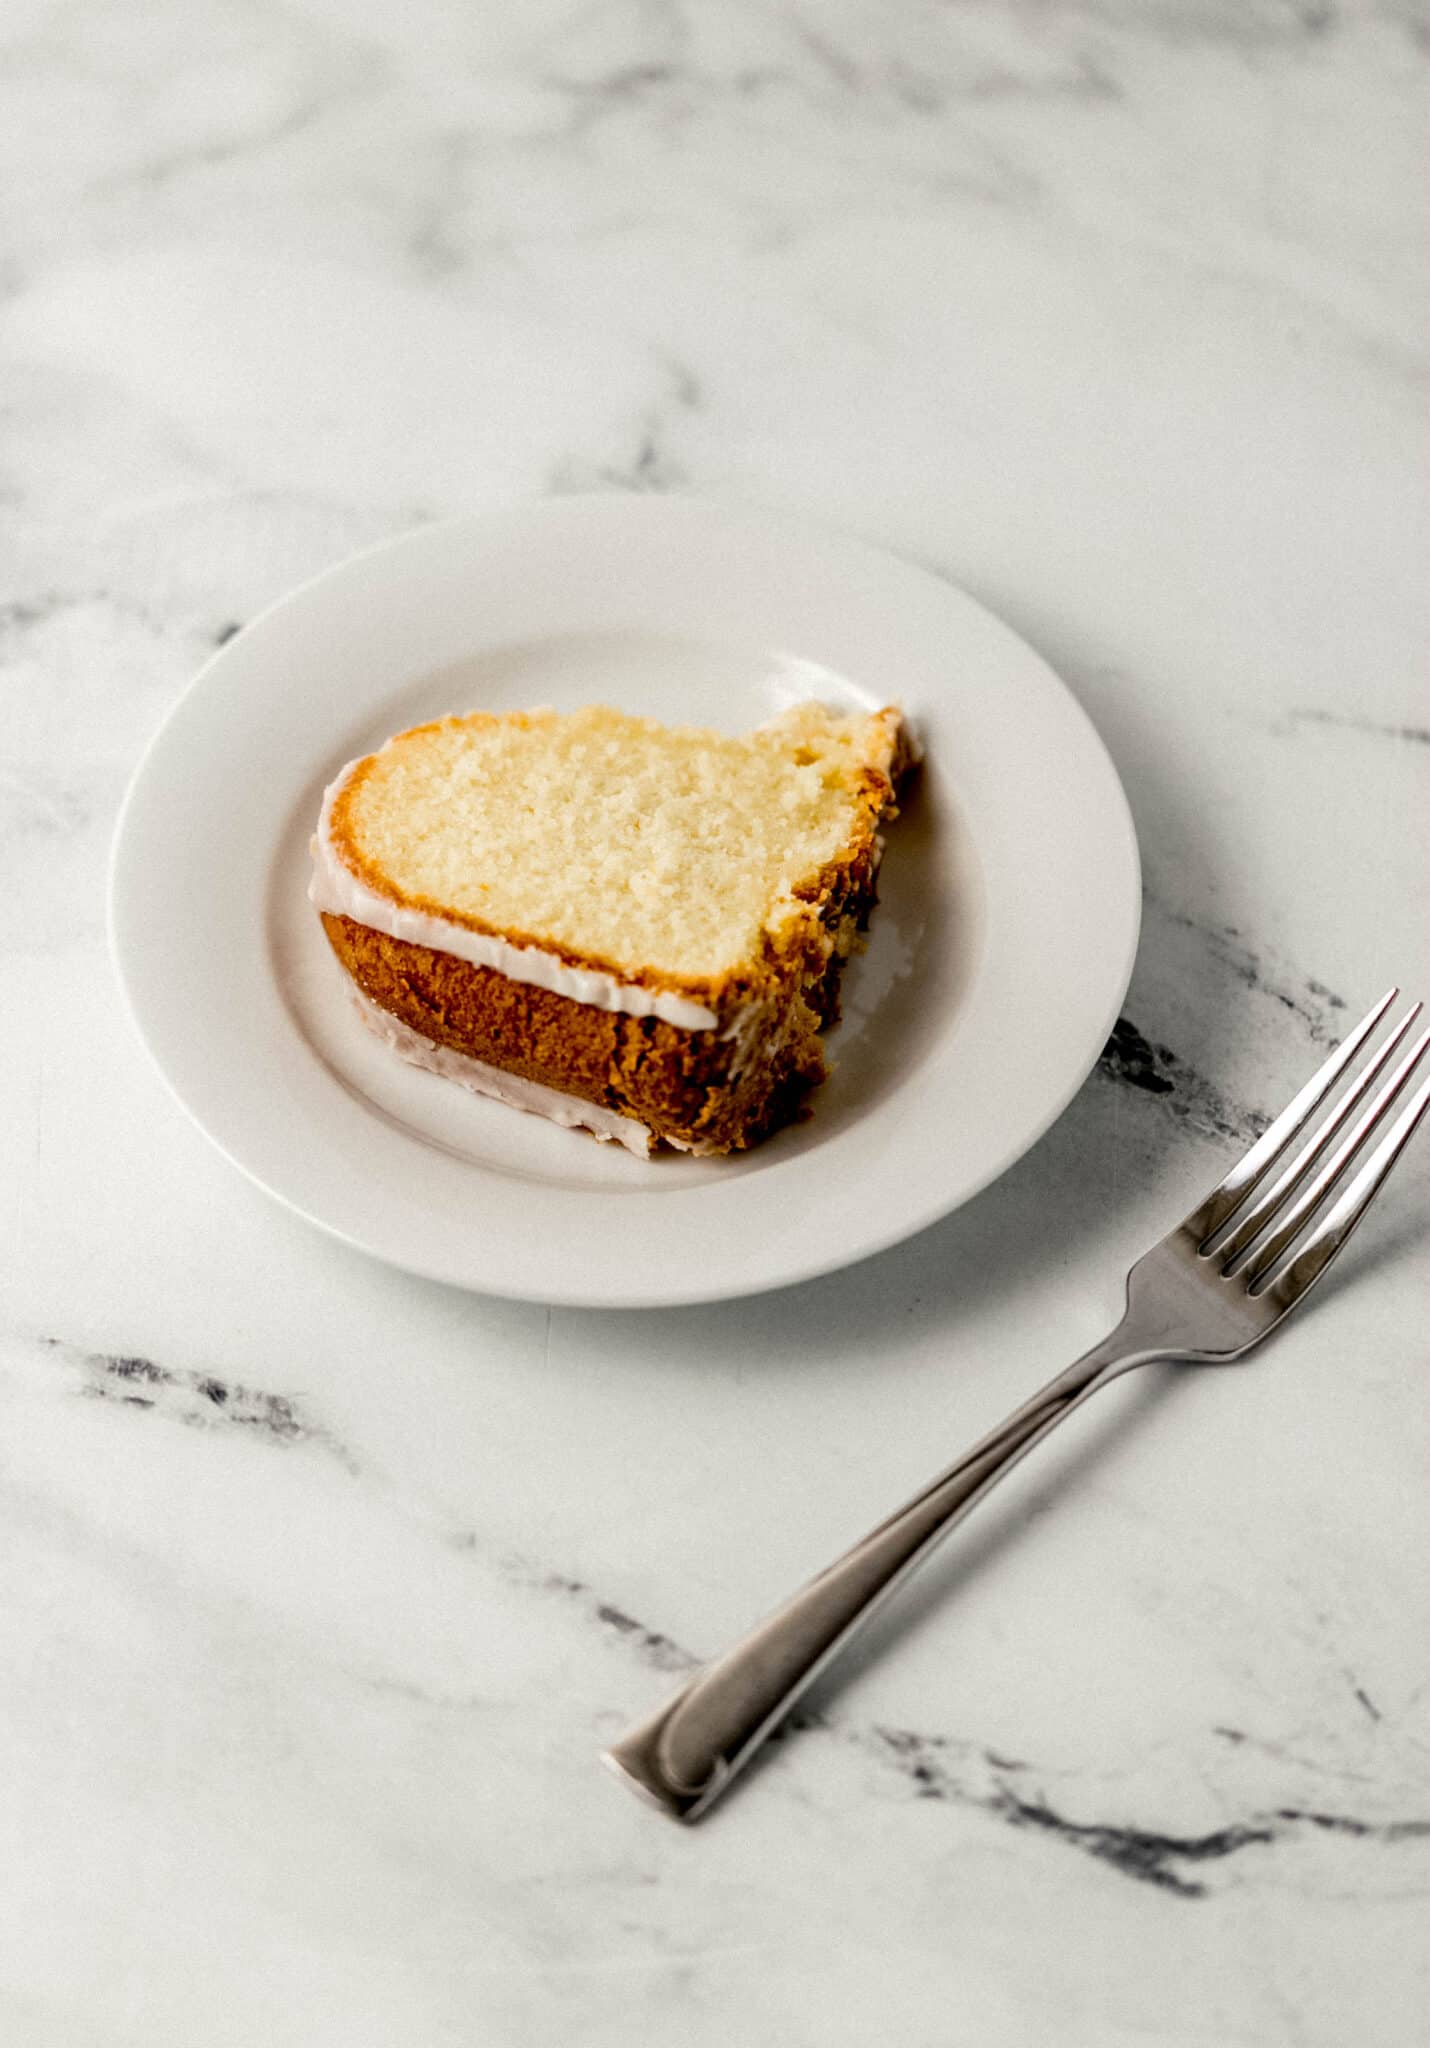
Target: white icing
336, 889
568, 1110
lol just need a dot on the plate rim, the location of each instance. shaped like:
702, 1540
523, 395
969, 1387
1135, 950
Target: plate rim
818, 1260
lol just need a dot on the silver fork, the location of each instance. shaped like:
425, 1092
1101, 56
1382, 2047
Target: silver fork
1208, 1292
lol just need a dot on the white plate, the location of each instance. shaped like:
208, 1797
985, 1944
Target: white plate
999, 953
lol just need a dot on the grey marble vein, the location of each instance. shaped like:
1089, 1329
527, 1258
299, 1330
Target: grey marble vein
1133, 1061
1413, 735
203, 1400
936, 1768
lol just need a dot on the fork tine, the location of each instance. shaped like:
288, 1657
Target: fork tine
1264, 1255
1237, 1233
1346, 1212
1230, 1193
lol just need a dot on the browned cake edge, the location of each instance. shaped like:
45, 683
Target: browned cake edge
690, 1088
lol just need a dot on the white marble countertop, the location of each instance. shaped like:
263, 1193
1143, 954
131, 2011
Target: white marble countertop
322, 1585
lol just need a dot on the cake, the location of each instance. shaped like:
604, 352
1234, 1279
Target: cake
633, 929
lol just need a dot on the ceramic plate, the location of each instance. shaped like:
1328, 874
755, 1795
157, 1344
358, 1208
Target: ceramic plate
998, 955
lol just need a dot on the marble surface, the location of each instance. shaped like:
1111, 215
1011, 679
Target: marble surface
323, 1586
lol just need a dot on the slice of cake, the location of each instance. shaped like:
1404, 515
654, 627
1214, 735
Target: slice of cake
628, 927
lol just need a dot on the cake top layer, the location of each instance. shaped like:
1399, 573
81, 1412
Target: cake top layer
664, 854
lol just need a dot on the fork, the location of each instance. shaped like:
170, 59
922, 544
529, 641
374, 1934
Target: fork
1209, 1291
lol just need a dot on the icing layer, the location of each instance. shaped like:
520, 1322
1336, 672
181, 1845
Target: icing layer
336, 889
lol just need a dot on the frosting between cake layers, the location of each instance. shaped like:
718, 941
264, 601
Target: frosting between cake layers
334, 888
570, 1111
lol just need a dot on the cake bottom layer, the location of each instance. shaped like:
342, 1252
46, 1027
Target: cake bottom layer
570, 1111
713, 1090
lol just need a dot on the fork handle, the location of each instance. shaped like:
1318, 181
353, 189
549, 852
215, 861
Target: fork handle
685, 1755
